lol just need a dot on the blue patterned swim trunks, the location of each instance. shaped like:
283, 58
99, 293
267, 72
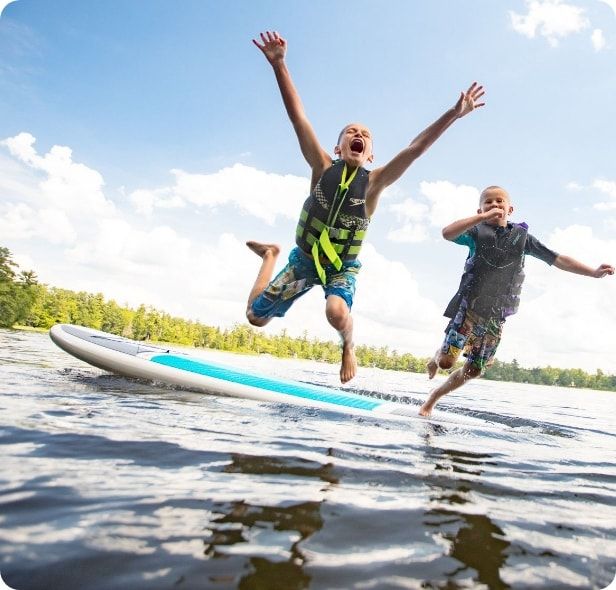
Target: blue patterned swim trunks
298, 277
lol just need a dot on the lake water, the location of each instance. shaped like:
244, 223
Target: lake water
110, 483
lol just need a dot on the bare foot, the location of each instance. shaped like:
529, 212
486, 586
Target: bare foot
432, 368
262, 249
349, 364
428, 405
425, 410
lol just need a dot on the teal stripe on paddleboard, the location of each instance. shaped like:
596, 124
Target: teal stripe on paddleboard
305, 391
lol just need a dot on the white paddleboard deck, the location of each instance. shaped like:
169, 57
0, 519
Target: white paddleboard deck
141, 360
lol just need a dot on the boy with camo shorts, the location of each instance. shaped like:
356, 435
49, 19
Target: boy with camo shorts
490, 288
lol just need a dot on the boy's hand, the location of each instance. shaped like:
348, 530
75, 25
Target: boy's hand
494, 214
601, 271
468, 100
274, 46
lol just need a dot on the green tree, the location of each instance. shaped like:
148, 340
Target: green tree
17, 292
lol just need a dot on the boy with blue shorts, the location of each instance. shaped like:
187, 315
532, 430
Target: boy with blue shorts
490, 288
335, 217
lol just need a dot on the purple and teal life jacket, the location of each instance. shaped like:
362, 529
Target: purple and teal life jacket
493, 273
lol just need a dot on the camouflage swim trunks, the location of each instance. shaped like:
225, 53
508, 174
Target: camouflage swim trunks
476, 337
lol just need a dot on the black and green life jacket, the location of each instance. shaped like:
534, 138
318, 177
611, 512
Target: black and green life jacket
333, 221
493, 273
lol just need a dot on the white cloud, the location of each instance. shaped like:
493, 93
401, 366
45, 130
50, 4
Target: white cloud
444, 202
449, 201
411, 233
145, 201
24, 262
607, 187
66, 185
254, 192
410, 210
49, 198
574, 186
15, 182
552, 19
20, 221
611, 4
598, 39
4, 4
413, 216
390, 293
117, 246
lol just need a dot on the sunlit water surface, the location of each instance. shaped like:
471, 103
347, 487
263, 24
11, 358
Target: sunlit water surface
110, 483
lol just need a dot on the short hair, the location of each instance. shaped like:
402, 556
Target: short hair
493, 187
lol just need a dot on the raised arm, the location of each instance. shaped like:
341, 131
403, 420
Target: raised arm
457, 228
392, 171
274, 47
572, 265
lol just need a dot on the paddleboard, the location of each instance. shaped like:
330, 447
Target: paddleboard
141, 360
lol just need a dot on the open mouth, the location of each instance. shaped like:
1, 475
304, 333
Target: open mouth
357, 146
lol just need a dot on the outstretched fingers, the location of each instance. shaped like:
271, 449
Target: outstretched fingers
472, 95
471, 88
476, 95
476, 91
269, 39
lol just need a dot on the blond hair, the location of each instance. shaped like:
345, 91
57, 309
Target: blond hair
492, 188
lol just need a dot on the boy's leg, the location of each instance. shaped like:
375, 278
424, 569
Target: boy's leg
339, 316
456, 379
339, 293
439, 361
269, 254
480, 338
457, 335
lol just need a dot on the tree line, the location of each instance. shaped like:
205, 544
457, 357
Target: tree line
26, 302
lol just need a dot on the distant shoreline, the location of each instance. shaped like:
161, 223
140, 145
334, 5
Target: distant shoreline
499, 366
26, 304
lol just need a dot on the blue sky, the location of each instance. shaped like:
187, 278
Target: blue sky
142, 143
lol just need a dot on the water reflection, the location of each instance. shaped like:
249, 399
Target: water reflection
463, 462
253, 464
475, 542
262, 533
241, 524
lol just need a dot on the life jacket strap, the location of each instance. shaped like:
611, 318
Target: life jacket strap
353, 250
